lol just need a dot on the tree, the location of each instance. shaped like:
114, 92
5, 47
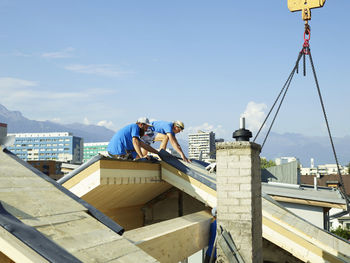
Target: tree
344, 233
265, 163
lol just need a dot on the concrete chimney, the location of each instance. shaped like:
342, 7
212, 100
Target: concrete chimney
239, 198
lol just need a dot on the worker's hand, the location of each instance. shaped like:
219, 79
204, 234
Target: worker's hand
185, 159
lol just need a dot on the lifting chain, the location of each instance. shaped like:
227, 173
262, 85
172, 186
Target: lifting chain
304, 51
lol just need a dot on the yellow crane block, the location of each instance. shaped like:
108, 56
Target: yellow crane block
304, 6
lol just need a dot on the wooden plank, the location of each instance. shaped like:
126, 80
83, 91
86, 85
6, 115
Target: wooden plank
132, 165
187, 178
131, 173
191, 187
82, 175
114, 252
137, 256
87, 184
307, 202
29, 182
3, 257
16, 250
128, 217
79, 234
173, 240
115, 196
55, 219
29, 203
296, 245
301, 238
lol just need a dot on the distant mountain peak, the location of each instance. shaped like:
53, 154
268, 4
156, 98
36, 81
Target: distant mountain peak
17, 123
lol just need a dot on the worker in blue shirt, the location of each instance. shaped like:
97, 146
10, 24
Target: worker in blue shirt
210, 254
126, 143
165, 131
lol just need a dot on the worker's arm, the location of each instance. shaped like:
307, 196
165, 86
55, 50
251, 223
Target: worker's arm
177, 146
148, 147
137, 146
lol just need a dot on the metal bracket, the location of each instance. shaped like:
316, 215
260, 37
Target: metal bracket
228, 247
305, 6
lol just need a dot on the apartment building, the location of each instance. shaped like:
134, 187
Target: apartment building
284, 160
202, 144
94, 148
324, 169
3, 129
58, 146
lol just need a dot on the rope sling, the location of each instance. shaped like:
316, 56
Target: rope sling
305, 51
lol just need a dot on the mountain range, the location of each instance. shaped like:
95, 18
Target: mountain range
17, 123
277, 145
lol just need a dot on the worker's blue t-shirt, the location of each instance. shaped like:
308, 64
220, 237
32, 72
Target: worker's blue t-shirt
122, 140
212, 235
163, 127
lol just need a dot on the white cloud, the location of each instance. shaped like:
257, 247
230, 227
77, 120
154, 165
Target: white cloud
65, 53
57, 120
100, 69
254, 115
107, 124
17, 90
10, 83
86, 121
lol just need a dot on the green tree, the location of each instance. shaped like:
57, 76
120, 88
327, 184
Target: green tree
264, 163
344, 233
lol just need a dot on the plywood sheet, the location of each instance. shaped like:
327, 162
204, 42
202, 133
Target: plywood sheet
107, 197
30, 202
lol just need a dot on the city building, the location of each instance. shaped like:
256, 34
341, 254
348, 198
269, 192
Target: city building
201, 145
92, 149
58, 146
284, 160
49, 167
3, 129
323, 169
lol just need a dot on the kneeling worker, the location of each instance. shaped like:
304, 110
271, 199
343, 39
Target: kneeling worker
126, 143
164, 131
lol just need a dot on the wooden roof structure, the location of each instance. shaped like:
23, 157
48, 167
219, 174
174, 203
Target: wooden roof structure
42, 222
131, 183
119, 189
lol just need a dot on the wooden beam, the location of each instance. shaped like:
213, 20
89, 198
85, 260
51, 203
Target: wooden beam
307, 202
189, 185
15, 250
173, 240
301, 238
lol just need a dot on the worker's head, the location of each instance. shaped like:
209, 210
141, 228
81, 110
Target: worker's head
178, 126
143, 123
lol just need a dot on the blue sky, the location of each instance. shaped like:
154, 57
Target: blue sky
203, 62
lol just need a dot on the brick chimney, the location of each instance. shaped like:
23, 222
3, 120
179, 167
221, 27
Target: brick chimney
239, 198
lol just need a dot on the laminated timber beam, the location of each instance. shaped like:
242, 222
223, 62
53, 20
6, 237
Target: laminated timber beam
300, 238
173, 240
14, 250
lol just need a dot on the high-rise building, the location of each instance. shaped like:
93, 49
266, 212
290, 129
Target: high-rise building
59, 146
94, 148
3, 129
202, 145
